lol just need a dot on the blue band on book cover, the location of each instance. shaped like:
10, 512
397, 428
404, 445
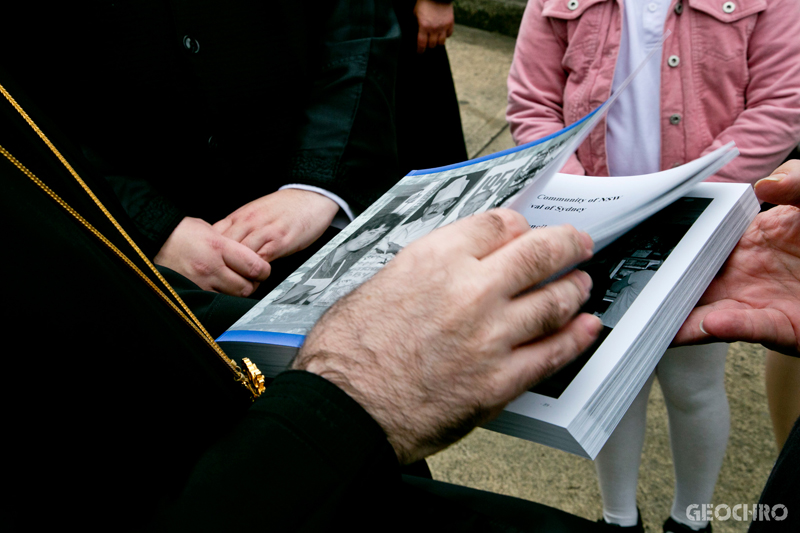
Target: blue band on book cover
263, 337
508, 150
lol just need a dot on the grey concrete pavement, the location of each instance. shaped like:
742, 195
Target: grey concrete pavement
507, 465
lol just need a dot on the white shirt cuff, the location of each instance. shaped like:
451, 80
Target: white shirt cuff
339, 221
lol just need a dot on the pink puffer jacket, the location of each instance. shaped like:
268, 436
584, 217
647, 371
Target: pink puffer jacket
730, 72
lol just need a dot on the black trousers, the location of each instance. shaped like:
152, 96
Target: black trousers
445, 507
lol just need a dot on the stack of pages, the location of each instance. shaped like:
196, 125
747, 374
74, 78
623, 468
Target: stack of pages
645, 284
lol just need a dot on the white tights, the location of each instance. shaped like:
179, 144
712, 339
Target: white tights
692, 379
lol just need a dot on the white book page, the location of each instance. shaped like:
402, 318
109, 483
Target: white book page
595, 205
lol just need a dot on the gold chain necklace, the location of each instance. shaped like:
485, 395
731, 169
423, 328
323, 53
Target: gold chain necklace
251, 378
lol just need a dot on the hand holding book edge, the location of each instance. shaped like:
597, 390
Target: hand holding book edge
756, 295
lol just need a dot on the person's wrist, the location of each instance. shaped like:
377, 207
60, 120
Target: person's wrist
339, 201
366, 389
325, 205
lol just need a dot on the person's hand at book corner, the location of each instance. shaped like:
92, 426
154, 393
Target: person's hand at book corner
448, 333
756, 295
212, 261
436, 23
281, 223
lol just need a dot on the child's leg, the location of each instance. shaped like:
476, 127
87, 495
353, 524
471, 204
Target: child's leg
617, 463
783, 393
693, 381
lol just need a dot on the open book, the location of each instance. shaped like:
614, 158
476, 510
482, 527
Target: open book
659, 238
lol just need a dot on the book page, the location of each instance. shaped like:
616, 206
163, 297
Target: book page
607, 207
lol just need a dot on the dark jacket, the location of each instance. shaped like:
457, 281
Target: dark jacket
196, 108
117, 416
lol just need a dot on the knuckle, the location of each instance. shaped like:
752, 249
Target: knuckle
502, 220
254, 268
268, 251
249, 215
536, 259
491, 337
202, 268
426, 255
247, 289
574, 239
553, 308
789, 167
562, 241
569, 295
548, 365
562, 351
550, 317
283, 233
216, 244
553, 245
539, 318
494, 222
414, 253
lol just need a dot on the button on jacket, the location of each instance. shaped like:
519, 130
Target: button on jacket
726, 75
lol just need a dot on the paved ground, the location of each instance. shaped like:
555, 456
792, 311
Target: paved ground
490, 461
501, 16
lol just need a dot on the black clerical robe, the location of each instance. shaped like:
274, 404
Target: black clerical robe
117, 416
194, 108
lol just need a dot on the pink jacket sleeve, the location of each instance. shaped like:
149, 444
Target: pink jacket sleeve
769, 127
536, 82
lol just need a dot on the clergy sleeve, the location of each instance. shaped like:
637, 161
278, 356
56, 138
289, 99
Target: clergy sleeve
306, 455
347, 143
